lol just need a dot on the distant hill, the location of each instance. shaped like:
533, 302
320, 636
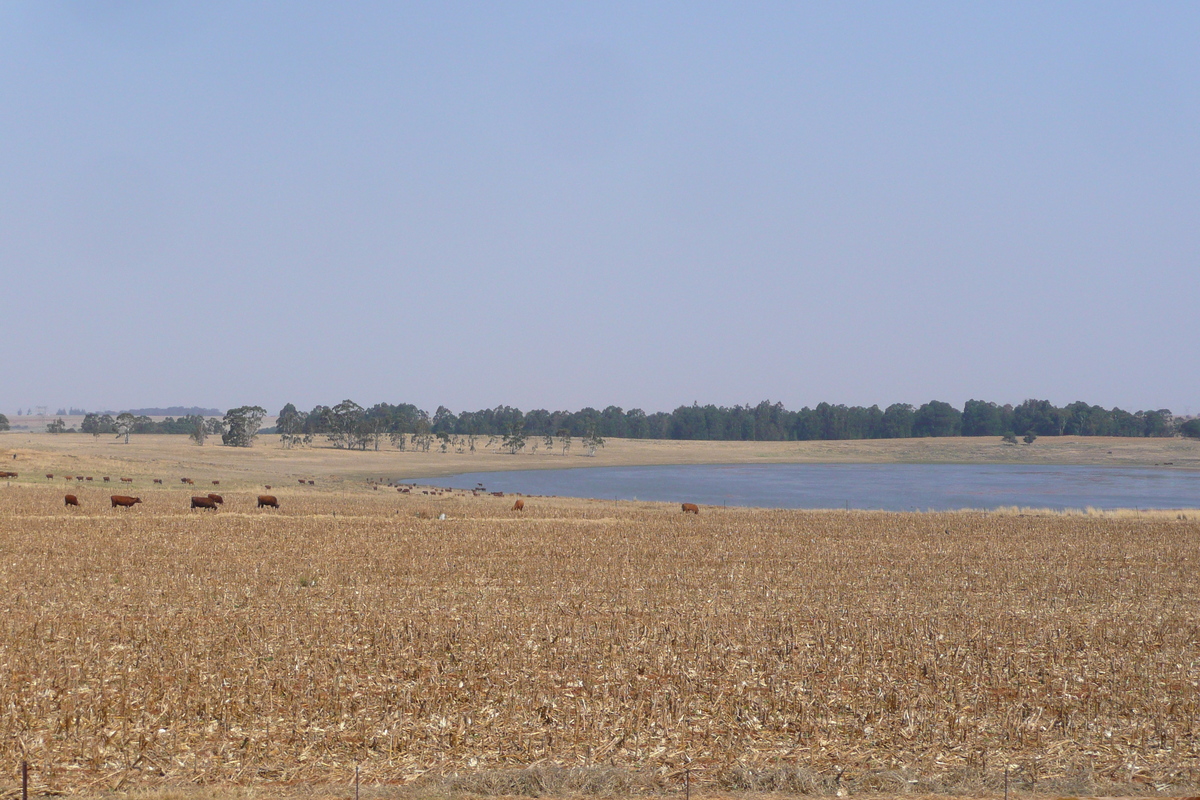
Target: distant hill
176, 411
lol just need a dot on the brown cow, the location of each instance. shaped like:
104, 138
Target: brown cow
188, 481
519, 505
158, 480
8, 474
124, 480
71, 500
310, 483
692, 507
88, 478
216, 483
301, 481
216, 498
106, 479
124, 501
78, 477
267, 500
268, 486
49, 474
203, 502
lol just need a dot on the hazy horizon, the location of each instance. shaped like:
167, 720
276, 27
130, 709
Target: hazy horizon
273, 412
550, 206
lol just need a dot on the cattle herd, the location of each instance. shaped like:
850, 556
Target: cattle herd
212, 501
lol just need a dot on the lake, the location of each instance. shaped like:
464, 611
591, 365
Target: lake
889, 487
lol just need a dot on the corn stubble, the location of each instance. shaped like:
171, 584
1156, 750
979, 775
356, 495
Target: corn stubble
608, 647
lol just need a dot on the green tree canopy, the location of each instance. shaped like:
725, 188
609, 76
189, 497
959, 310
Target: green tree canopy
241, 425
125, 424
290, 425
981, 418
897, 422
936, 418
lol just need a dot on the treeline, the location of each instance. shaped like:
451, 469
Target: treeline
172, 411
127, 422
353, 426
349, 425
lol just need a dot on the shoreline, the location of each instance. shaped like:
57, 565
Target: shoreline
267, 462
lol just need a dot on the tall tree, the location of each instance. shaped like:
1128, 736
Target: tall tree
290, 425
592, 441
897, 422
444, 420
344, 420
514, 440
936, 418
125, 424
199, 432
980, 418
241, 425
1039, 416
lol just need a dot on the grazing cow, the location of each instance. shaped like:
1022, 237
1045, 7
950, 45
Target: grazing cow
188, 481
123, 501
71, 500
519, 505
203, 502
88, 478
106, 479
8, 474
691, 507
268, 486
216, 483
126, 480
158, 480
78, 477
267, 500
312, 483
216, 498
49, 475
497, 494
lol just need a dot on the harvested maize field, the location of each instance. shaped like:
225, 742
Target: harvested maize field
583, 647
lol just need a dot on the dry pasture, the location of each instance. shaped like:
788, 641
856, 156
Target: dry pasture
169, 457
593, 647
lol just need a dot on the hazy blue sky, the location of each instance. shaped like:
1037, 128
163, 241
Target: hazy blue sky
554, 205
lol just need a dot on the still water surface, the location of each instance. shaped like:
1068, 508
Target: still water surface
891, 487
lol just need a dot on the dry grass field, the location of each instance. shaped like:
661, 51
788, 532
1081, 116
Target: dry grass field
582, 648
